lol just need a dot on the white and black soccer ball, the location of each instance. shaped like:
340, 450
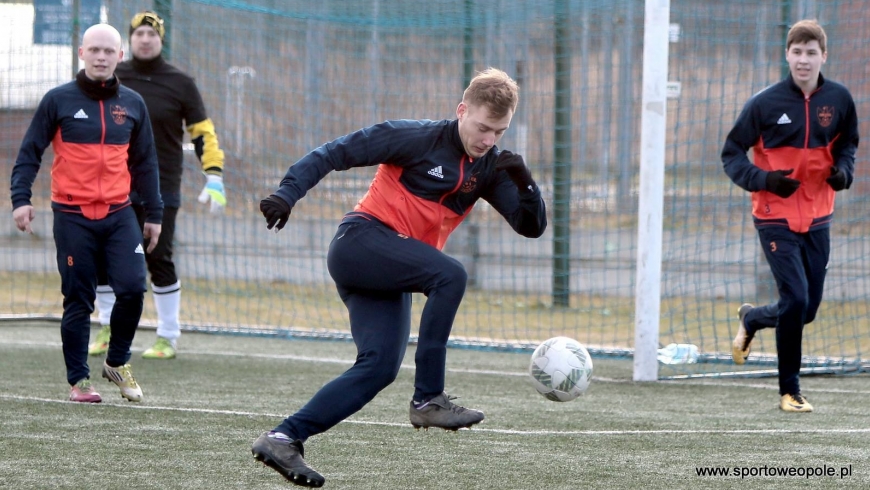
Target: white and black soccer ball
561, 369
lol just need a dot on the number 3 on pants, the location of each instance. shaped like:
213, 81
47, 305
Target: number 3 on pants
772, 249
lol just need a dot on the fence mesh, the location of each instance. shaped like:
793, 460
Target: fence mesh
280, 77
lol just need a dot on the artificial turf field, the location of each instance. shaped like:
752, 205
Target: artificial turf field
202, 411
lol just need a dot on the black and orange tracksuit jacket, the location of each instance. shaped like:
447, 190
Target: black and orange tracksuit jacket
425, 184
102, 144
788, 130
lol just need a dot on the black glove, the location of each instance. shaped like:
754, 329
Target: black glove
516, 169
837, 180
777, 183
276, 211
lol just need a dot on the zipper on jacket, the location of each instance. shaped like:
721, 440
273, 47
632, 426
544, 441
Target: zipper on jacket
102, 162
454, 191
459, 183
807, 118
805, 159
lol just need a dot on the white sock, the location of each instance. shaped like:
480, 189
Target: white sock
279, 435
105, 303
167, 300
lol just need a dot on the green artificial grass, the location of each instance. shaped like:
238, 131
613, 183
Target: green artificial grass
202, 411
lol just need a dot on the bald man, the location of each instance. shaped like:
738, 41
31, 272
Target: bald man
103, 144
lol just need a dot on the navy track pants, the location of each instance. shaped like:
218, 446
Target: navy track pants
799, 263
115, 240
375, 271
159, 261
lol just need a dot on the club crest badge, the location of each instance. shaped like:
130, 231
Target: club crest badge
826, 115
119, 114
469, 185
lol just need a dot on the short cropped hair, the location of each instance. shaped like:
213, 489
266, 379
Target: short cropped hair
494, 89
806, 31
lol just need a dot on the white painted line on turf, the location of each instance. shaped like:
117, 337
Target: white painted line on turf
143, 407
672, 432
475, 429
598, 379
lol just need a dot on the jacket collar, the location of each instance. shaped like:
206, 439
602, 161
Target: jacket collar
97, 90
794, 86
147, 66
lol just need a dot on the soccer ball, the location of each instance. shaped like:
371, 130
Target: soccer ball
561, 369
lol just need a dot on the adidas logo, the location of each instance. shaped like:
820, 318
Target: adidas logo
436, 172
80, 114
784, 119
139, 249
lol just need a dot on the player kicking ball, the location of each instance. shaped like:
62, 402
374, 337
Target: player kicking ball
429, 176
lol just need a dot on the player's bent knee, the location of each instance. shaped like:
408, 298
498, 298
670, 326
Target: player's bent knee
453, 277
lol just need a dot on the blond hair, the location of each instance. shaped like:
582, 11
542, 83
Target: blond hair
805, 31
493, 89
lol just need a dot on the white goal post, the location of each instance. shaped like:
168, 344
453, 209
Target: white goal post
651, 197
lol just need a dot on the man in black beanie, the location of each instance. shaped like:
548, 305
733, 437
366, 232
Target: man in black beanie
174, 102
